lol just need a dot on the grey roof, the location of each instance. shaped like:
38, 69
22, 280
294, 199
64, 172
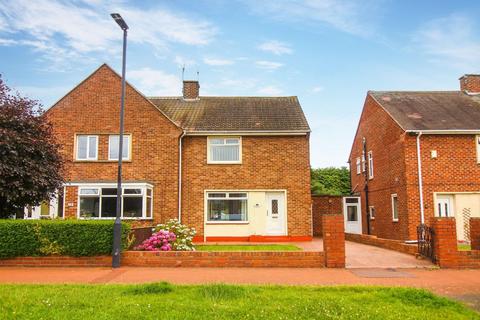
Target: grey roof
431, 110
234, 113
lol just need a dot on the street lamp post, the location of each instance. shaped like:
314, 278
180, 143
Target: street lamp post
117, 227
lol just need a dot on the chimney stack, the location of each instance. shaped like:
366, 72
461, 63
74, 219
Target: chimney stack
470, 83
191, 89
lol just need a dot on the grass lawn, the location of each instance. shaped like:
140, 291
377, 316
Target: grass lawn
247, 247
219, 301
464, 247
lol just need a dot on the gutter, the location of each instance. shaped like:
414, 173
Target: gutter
180, 175
449, 131
420, 179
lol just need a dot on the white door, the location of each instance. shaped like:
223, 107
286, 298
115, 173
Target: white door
444, 206
352, 215
275, 213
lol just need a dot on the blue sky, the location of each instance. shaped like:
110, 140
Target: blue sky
326, 52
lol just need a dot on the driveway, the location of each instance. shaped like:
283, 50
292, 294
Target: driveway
364, 256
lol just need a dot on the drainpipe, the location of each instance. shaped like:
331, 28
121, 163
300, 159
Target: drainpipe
420, 179
367, 211
180, 176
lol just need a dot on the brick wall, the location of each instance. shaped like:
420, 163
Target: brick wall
269, 163
333, 240
470, 83
445, 246
93, 108
386, 141
475, 233
396, 245
324, 204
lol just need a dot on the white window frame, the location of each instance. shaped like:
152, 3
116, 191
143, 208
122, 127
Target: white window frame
143, 186
227, 196
370, 210
239, 161
394, 196
129, 147
363, 162
477, 142
370, 165
88, 147
359, 165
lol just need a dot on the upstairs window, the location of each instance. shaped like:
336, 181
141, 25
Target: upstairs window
113, 147
477, 141
87, 147
370, 165
358, 165
224, 150
394, 207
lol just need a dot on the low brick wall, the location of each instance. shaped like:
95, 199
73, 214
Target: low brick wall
334, 240
291, 259
324, 205
57, 261
396, 245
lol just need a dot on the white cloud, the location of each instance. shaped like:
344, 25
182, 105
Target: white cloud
154, 82
218, 62
317, 89
270, 91
268, 65
78, 28
276, 47
351, 16
450, 41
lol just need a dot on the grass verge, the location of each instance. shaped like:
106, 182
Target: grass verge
220, 301
247, 247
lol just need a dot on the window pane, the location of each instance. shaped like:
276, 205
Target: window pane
132, 207
351, 200
237, 195
224, 153
217, 195
89, 191
395, 207
232, 141
92, 147
89, 207
149, 207
352, 213
227, 210
149, 192
132, 191
113, 147
109, 207
81, 147
109, 191
216, 141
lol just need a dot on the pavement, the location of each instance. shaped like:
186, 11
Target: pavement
462, 285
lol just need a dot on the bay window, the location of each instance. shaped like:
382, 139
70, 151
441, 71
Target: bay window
227, 206
101, 202
224, 150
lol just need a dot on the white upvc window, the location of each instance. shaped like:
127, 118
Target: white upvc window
358, 163
394, 207
87, 147
363, 162
113, 141
371, 210
226, 150
477, 142
370, 165
100, 201
227, 206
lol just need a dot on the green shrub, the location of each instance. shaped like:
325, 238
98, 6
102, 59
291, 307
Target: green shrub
53, 237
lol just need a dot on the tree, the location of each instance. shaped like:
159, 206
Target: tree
330, 181
30, 164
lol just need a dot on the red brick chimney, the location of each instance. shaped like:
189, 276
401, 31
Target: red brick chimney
191, 89
470, 83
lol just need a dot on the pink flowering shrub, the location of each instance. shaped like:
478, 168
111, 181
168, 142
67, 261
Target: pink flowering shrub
170, 236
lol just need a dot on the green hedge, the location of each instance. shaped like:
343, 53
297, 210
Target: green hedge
63, 237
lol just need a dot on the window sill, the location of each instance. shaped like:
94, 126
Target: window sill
226, 222
395, 220
101, 161
113, 218
223, 163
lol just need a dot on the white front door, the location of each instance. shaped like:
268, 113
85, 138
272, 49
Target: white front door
444, 206
275, 213
352, 215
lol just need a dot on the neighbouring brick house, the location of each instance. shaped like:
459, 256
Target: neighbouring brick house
418, 154
241, 164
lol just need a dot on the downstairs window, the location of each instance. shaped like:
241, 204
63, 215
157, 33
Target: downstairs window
227, 206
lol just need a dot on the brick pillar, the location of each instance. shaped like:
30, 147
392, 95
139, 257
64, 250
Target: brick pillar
333, 240
71, 203
475, 233
445, 242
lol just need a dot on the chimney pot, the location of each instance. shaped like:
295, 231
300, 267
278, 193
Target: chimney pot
191, 89
470, 83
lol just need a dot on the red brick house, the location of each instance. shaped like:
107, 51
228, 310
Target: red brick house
232, 167
416, 155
